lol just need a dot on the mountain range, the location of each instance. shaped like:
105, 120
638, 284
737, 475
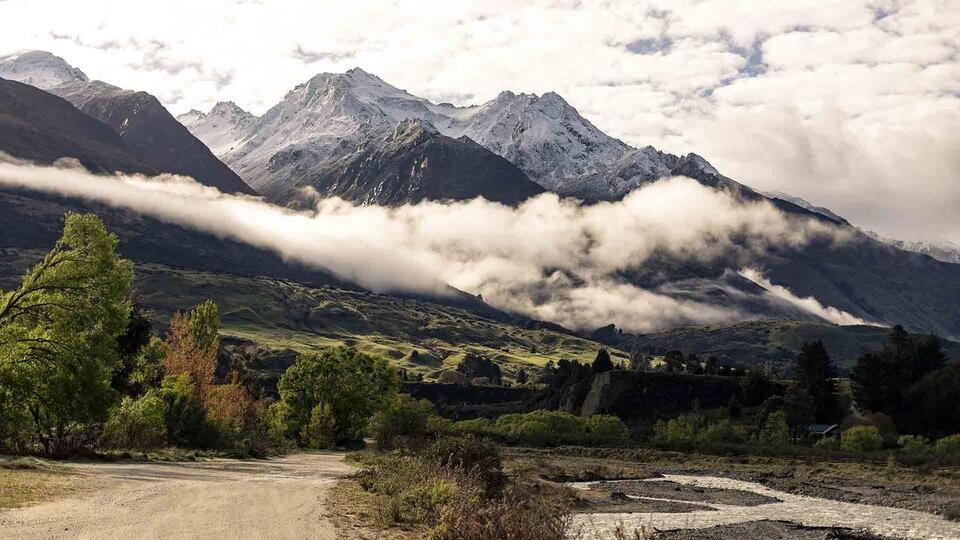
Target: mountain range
354, 136
332, 121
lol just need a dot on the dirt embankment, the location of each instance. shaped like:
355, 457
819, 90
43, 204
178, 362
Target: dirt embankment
278, 498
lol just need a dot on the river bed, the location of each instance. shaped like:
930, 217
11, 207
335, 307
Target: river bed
775, 506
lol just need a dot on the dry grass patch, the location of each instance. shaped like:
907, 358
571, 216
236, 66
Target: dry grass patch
355, 513
27, 481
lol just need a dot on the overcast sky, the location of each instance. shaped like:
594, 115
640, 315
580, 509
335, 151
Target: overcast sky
852, 105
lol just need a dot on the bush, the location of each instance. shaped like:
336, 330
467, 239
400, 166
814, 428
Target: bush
406, 422
693, 430
914, 444
607, 430
550, 428
520, 513
453, 501
185, 417
679, 431
721, 432
137, 423
775, 430
472, 455
861, 439
231, 408
828, 443
415, 489
948, 445
321, 430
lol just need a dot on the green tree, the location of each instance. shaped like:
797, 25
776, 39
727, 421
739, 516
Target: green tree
814, 372
341, 386
602, 362
59, 330
757, 386
799, 409
522, 377
137, 423
136, 335
205, 325
932, 405
881, 379
673, 361
406, 421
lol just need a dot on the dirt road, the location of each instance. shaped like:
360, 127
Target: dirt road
271, 499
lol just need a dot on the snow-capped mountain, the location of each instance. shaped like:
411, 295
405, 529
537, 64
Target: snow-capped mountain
39, 68
149, 131
222, 129
324, 119
412, 164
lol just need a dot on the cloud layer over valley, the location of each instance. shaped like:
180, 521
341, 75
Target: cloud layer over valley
549, 258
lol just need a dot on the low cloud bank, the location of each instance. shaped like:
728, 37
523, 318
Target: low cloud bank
809, 304
548, 258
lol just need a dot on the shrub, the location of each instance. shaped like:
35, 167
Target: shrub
775, 430
415, 490
549, 428
185, 417
455, 503
721, 432
321, 430
406, 421
472, 455
607, 430
914, 444
948, 445
520, 513
137, 423
231, 407
693, 430
475, 426
861, 439
828, 443
682, 430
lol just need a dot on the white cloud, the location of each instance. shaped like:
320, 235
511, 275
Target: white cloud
549, 258
869, 86
808, 304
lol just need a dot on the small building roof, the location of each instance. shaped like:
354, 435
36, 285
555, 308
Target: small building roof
822, 429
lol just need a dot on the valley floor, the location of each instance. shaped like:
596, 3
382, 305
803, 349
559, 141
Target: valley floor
277, 498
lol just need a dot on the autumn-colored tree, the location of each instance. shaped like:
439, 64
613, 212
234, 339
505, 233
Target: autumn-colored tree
231, 406
193, 345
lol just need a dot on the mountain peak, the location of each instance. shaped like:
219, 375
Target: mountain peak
358, 72
413, 130
41, 69
228, 109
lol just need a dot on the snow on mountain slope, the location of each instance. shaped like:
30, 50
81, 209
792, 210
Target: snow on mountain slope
325, 118
944, 250
805, 204
223, 129
38, 68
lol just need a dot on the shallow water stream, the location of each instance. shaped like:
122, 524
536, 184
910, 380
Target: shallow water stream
799, 509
